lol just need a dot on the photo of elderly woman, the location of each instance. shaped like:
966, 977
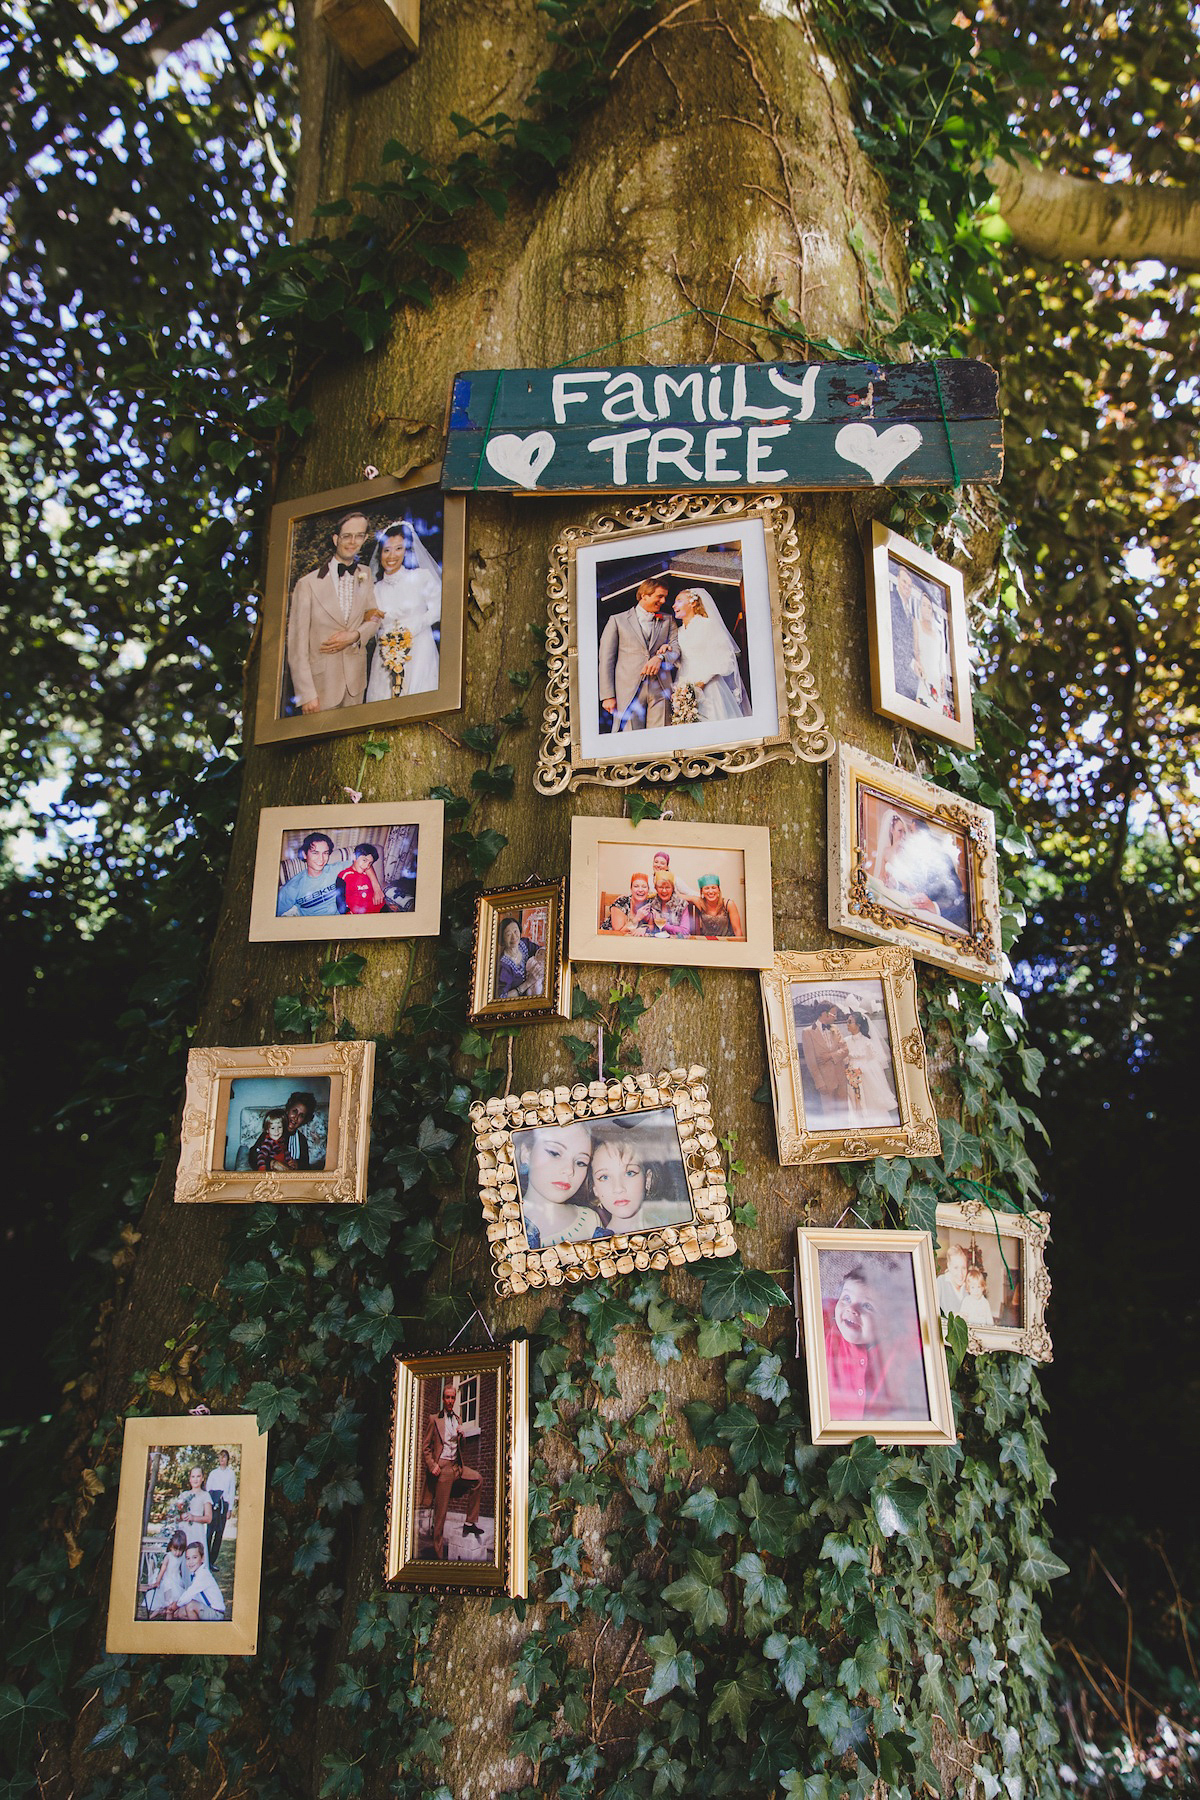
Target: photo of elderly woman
521, 937
915, 866
680, 893
189, 1533
598, 1178
874, 1362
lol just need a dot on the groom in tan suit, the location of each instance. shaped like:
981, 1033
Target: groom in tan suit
827, 1059
328, 627
441, 1452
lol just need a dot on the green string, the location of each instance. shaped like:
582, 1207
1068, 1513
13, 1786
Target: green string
978, 1190
487, 430
946, 426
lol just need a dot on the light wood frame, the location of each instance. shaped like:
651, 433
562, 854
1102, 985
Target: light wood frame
862, 908
423, 921
490, 908
350, 1069
270, 726
236, 1635
887, 547
508, 1572
800, 731
709, 1232
589, 944
802, 1141
938, 1426
1032, 1231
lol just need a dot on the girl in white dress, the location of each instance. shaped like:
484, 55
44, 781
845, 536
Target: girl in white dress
708, 658
408, 588
873, 1096
975, 1308
196, 1508
171, 1579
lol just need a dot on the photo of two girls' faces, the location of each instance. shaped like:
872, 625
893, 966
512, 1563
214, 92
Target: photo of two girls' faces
599, 1178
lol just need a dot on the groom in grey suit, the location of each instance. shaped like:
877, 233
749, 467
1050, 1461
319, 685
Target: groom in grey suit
639, 652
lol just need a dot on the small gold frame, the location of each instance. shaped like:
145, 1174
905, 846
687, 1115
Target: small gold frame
270, 725
800, 1137
937, 1426
507, 1572
863, 906
425, 917
800, 734
491, 908
236, 1635
350, 1069
1031, 1231
708, 1233
887, 548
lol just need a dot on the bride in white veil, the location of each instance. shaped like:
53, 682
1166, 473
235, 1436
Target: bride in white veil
408, 590
708, 657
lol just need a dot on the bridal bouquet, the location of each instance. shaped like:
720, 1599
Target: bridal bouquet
684, 710
395, 648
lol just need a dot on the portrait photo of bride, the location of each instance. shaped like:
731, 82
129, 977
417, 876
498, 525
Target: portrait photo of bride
408, 604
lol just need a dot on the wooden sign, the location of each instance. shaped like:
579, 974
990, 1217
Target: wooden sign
724, 425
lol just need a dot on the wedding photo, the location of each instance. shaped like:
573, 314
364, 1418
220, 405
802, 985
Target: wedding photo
348, 871
917, 866
845, 1055
601, 1177
364, 609
918, 638
272, 1124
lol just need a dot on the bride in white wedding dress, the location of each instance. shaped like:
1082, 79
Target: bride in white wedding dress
708, 657
408, 590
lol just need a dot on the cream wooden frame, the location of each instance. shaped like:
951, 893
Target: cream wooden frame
977, 953
426, 916
238, 1634
269, 726
490, 907
509, 1573
589, 944
709, 1232
893, 968
888, 545
351, 1070
938, 1428
1032, 1230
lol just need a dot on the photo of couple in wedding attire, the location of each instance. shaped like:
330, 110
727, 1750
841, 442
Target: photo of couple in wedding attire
914, 865
921, 665
845, 1056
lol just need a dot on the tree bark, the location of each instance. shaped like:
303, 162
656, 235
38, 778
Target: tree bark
1068, 218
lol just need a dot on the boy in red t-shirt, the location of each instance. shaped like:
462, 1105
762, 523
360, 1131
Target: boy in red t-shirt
359, 884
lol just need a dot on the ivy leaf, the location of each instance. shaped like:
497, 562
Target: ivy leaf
23, 1716
773, 1519
935, 1692
604, 1312
797, 1659
480, 850
717, 1337
688, 978
854, 1475
752, 1442
956, 1335
1041, 1565
641, 806
673, 1668
863, 1672
714, 1514
272, 1403
734, 1698
767, 1382
842, 1727
1014, 1450
732, 1291
892, 1173
698, 1592
920, 1207
345, 971
1032, 1065
764, 1593
898, 1506
805, 1787
960, 1149
703, 1420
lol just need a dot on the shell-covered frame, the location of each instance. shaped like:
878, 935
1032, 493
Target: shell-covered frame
490, 906
803, 734
1031, 1338
918, 1133
209, 1074
509, 1572
977, 953
708, 1233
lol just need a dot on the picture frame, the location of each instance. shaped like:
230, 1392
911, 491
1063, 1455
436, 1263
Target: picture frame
873, 1346
302, 606
532, 980
1009, 1250
849, 1077
913, 864
758, 698
158, 1503
917, 634
404, 897
235, 1148
656, 1190
426, 1548
678, 865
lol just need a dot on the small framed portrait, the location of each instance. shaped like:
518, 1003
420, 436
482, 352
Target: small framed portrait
847, 1056
289, 1123
330, 872
362, 621
917, 628
873, 1344
913, 864
676, 645
518, 966
991, 1271
458, 1497
601, 1179
663, 892
187, 1555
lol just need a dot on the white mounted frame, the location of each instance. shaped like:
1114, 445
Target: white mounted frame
917, 634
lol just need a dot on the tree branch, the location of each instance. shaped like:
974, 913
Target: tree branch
1069, 218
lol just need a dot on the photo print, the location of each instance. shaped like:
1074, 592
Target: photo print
273, 1125
517, 959
189, 1545
845, 1056
914, 865
597, 1178
918, 637
348, 871
690, 892
979, 1280
991, 1272
458, 1452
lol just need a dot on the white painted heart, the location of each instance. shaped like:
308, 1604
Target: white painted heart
521, 459
878, 452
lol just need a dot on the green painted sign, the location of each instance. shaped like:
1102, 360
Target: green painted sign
724, 425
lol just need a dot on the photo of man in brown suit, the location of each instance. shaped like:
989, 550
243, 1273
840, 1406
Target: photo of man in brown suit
825, 1060
441, 1453
331, 619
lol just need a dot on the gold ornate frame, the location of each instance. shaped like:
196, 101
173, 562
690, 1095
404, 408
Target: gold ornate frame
269, 726
1032, 1230
855, 910
938, 1427
798, 1142
236, 1635
423, 921
210, 1072
802, 731
517, 1267
490, 907
508, 1573
888, 546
